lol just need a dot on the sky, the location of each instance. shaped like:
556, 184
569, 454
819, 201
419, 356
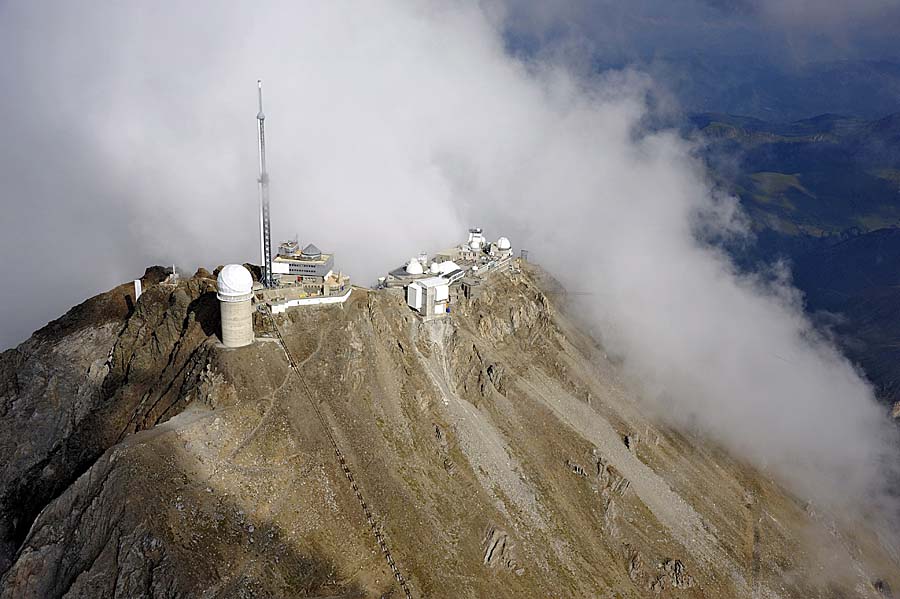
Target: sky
786, 31
80, 175
778, 60
130, 140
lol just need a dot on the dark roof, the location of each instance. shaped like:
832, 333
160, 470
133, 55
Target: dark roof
312, 251
454, 275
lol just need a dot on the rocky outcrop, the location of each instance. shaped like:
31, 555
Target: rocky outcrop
50, 387
668, 574
106, 369
493, 453
131, 527
498, 550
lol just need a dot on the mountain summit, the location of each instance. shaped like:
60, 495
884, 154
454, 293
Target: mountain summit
355, 450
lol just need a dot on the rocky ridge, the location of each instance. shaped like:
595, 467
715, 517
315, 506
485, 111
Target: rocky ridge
500, 454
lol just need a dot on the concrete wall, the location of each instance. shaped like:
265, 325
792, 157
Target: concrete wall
279, 307
237, 323
414, 296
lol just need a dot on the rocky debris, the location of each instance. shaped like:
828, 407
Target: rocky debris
575, 468
476, 376
498, 550
611, 518
633, 563
673, 574
884, 588
612, 482
493, 374
482, 443
444, 450
522, 314
670, 573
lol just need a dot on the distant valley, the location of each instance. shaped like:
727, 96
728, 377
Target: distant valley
824, 193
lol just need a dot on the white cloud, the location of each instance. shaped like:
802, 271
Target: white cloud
391, 127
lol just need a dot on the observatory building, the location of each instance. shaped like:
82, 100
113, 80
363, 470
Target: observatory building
477, 253
304, 278
309, 270
235, 293
429, 280
429, 297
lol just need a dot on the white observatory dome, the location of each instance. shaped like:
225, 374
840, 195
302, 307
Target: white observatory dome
435, 268
503, 243
234, 280
414, 267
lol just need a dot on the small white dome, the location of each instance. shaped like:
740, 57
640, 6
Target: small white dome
234, 279
475, 244
503, 243
414, 267
435, 268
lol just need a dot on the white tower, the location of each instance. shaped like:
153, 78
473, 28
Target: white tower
476, 238
235, 287
265, 232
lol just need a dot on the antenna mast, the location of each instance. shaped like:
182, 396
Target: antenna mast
265, 232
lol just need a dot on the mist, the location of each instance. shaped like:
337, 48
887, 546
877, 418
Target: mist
391, 127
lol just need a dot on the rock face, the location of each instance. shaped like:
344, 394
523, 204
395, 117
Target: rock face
496, 453
106, 369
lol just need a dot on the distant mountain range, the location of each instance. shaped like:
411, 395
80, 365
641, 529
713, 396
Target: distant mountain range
779, 90
859, 279
824, 193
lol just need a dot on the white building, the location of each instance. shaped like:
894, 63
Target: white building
429, 297
235, 293
476, 239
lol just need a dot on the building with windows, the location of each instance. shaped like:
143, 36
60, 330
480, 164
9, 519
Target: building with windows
309, 271
291, 263
427, 282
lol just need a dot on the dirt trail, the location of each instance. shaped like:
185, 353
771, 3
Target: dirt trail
273, 402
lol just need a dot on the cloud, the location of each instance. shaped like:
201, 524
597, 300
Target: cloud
392, 126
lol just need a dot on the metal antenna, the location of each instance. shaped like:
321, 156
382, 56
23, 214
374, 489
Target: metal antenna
265, 232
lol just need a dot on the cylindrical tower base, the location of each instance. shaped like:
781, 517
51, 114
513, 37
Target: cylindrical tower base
237, 323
